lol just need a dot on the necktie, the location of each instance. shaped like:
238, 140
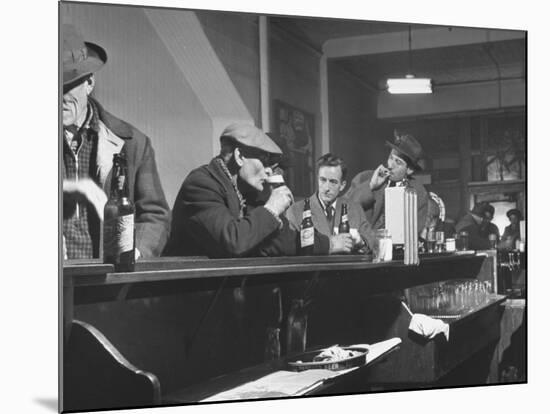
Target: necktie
328, 211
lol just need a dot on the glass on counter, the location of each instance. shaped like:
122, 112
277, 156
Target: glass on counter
430, 240
440, 241
383, 246
450, 245
462, 242
450, 298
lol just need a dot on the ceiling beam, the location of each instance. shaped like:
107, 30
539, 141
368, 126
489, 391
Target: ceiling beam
421, 39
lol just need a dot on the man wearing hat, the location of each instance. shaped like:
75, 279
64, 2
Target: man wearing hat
473, 223
367, 187
91, 136
512, 232
489, 228
215, 213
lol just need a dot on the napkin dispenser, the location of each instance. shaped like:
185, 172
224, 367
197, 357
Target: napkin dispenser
401, 217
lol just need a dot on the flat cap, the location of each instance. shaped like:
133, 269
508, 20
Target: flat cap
250, 136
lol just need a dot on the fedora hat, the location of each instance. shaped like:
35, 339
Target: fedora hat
516, 212
80, 58
407, 146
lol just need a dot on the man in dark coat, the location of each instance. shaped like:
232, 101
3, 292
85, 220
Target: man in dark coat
367, 187
90, 138
472, 222
216, 213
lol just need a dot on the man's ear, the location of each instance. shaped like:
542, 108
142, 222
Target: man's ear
410, 171
342, 186
238, 157
90, 85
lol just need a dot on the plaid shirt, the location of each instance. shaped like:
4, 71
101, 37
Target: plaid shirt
80, 221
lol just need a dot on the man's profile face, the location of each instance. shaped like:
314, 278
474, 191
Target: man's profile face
75, 103
514, 219
398, 167
253, 171
329, 183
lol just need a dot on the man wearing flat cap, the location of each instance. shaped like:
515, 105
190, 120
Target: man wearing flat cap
215, 213
367, 187
91, 136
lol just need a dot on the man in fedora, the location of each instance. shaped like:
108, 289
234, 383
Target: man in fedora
473, 223
512, 231
91, 136
217, 214
367, 187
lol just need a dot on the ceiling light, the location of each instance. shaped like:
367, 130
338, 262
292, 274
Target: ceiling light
409, 84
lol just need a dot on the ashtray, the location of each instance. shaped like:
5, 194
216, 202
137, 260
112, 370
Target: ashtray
306, 360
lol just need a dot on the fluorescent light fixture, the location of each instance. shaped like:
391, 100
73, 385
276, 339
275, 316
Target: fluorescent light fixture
409, 84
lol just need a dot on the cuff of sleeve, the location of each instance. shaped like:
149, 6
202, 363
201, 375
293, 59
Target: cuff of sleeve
275, 216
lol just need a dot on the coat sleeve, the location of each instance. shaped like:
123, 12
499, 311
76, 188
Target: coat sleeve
360, 191
211, 222
152, 212
364, 227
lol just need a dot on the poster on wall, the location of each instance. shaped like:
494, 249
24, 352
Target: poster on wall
181, 285
295, 135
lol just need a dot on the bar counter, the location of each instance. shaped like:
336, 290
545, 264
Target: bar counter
179, 322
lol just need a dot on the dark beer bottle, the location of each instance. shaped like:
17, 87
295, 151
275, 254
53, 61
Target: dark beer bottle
343, 227
118, 225
306, 231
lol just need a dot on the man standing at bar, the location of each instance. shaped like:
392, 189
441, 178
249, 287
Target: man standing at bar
512, 232
216, 212
91, 136
367, 187
326, 206
472, 223
488, 228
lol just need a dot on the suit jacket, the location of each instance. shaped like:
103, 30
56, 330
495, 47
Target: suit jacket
152, 219
476, 240
205, 221
356, 217
373, 201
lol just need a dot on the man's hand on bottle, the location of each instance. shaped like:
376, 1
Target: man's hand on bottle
88, 190
379, 177
280, 199
341, 243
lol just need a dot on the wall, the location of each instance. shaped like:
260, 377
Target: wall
142, 85
355, 133
452, 99
234, 37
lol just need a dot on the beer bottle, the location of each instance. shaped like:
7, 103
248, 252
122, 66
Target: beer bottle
343, 227
118, 225
306, 231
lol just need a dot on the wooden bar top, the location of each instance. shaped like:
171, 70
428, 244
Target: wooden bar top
95, 273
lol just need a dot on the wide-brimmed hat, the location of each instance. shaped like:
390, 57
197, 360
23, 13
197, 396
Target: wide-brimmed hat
408, 146
516, 212
80, 58
250, 136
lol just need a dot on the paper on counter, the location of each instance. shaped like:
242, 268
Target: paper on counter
279, 384
290, 383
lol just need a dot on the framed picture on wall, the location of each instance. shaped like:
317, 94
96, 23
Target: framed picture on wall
294, 132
